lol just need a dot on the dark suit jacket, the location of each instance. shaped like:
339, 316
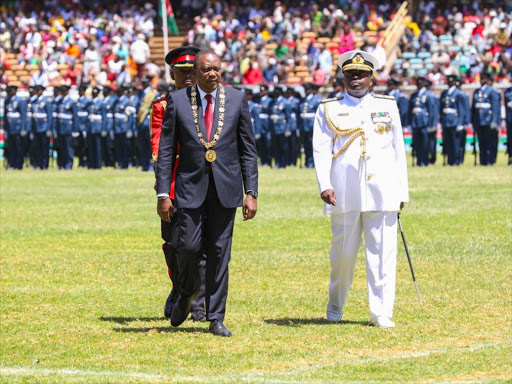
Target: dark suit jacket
236, 161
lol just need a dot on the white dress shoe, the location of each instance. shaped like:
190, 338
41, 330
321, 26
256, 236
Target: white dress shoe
382, 322
334, 315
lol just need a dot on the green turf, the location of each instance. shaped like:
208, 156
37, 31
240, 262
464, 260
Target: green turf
83, 283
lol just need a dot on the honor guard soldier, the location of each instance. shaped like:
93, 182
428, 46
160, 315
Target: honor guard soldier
254, 111
279, 128
67, 127
465, 124
361, 169
402, 101
42, 128
57, 99
96, 127
486, 119
121, 128
143, 127
452, 119
307, 109
15, 123
28, 135
422, 111
508, 120
107, 135
262, 135
82, 122
292, 119
131, 132
181, 61
432, 131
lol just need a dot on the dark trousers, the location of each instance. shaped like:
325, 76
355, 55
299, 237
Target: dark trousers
262, 148
95, 152
106, 148
420, 142
432, 147
509, 141
461, 151
485, 137
121, 150
451, 144
292, 149
144, 142
170, 247
307, 140
281, 145
66, 153
42, 150
81, 148
16, 151
211, 225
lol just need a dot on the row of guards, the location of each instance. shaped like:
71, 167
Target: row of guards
112, 128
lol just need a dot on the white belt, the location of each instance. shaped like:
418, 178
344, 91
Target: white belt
263, 115
449, 110
119, 115
110, 115
29, 114
40, 115
81, 114
308, 115
65, 116
130, 110
13, 114
417, 110
294, 115
277, 117
483, 105
97, 117
54, 114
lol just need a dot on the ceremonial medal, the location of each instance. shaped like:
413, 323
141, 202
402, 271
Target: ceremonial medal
210, 155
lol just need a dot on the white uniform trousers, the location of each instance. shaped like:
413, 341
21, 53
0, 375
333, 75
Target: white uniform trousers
380, 232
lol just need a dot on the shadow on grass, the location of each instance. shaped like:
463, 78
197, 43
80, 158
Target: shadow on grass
126, 320
162, 330
297, 322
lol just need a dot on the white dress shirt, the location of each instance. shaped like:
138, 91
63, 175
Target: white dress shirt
204, 102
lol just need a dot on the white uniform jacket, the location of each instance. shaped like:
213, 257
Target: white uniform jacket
371, 173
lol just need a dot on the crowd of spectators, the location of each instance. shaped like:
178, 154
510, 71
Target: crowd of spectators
465, 40
107, 42
97, 41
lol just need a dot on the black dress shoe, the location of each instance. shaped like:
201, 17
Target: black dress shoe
169, 303
181, 310
198, 315
218, 328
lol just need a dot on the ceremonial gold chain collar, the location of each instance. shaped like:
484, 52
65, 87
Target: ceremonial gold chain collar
222, 109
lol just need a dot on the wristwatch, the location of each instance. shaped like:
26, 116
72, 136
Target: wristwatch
252, 193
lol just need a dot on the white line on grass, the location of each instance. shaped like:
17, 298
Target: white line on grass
247, 377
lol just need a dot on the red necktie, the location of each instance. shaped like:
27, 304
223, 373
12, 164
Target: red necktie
208, 116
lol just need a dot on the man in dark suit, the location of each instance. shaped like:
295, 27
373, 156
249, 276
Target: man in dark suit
217, 158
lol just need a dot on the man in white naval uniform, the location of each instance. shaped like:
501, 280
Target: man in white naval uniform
361, 169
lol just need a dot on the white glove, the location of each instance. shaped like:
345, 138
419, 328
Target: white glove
23, 133
257, 136
104, 133
75, 134
48, 133
494, 125
431, 130
129, 134
287, 133
459, 128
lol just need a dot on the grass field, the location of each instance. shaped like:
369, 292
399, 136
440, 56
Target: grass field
83, 283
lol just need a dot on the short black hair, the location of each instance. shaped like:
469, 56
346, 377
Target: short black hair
204, 52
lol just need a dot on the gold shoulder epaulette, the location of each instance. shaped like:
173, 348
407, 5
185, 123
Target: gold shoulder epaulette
159, 98
378, 96
332, 99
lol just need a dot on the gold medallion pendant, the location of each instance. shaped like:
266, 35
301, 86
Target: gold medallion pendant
210, 155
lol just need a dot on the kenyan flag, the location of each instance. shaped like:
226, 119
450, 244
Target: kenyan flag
171, 20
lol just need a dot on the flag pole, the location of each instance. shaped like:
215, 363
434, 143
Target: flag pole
166, 40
